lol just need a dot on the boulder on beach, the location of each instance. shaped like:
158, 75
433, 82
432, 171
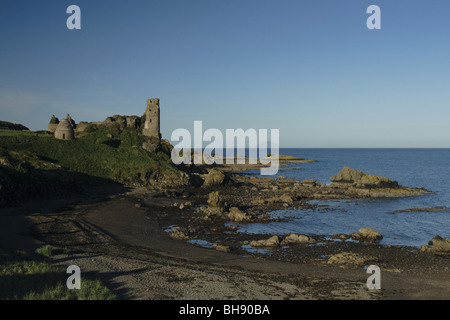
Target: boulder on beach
441, 244
221, 248
178, 234
367, 234
215, 200
237, 215
271, 242
293, 238
370, 234
214, 178
215, 205
340, 236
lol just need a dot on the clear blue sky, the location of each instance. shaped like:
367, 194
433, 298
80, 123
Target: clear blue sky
309, 68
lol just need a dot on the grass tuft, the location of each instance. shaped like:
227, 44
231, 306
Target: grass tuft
50, 251
22, 278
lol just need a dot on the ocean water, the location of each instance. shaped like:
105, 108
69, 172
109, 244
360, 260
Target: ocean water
428, 168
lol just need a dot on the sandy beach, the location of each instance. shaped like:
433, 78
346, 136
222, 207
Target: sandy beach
118, 238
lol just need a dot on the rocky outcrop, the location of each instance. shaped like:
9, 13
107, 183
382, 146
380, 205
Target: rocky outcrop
367, 235
350, 183
215, 205
364, 235
439, 245
360, 179
215, 200
213, 178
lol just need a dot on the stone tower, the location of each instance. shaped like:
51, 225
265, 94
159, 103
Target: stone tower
152, 119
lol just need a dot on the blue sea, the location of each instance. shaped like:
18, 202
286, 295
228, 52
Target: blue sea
428, 168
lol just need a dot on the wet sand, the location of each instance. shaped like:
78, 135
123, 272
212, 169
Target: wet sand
119, 239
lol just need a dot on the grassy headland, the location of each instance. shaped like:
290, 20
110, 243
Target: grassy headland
36, 165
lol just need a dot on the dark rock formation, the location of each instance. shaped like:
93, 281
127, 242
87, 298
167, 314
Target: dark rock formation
360, 179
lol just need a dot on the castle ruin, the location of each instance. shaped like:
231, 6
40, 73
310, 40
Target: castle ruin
66, 128
152, 120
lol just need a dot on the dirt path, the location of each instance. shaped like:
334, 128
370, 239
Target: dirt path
117, 241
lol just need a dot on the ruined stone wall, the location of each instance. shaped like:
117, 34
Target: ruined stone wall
53, 124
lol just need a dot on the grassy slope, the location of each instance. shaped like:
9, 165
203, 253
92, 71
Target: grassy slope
36, 165
95, 155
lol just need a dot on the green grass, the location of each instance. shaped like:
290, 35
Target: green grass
6, 133
95, 154
36, 165
50, 251
22, 278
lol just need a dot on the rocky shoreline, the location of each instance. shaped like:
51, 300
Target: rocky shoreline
179, 230
229, 198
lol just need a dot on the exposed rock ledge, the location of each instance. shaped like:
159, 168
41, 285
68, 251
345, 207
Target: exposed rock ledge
356, 183
431, 209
